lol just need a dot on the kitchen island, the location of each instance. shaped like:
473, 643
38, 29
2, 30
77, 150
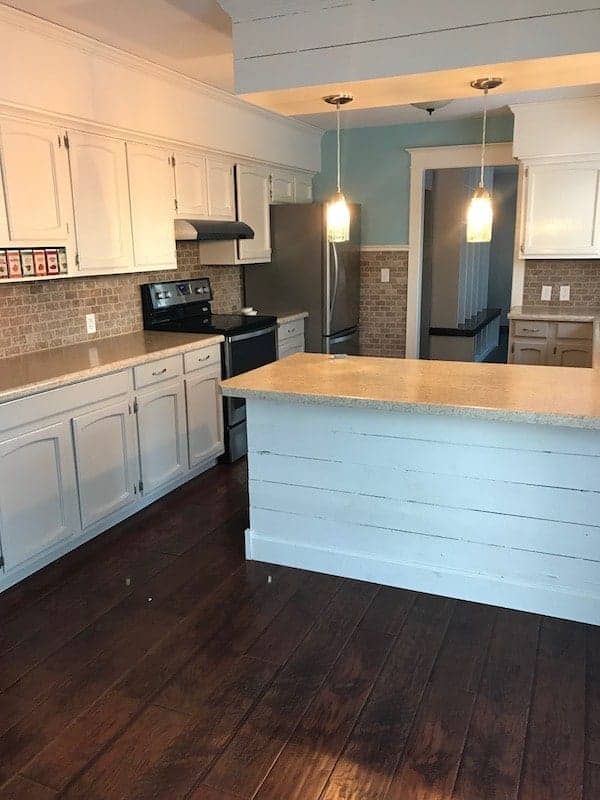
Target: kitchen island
478, 481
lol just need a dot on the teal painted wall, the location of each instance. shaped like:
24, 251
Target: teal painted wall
376, 168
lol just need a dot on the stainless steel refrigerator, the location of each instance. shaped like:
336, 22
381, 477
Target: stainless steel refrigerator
310, 274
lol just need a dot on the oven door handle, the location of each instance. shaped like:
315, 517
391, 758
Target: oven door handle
240, 337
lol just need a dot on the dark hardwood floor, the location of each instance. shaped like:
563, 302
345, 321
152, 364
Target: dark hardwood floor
155, 663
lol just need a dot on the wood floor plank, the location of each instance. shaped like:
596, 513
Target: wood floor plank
20, 788
207, 793
555, 752
373, 750
593, 695
493, 753
305, 763
389, 610
592, 782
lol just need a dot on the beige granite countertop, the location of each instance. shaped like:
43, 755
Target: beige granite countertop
570, 314
506, 392
50, 369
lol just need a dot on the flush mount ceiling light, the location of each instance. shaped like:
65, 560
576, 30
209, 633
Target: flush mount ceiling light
338, 211
481, 213
431, 105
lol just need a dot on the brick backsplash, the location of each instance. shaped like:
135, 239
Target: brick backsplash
383, 305
582, 276
45, 314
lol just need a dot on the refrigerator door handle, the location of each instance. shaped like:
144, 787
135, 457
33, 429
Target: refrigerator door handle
336, 277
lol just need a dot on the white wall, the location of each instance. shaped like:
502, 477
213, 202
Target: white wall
45, 67
290, 44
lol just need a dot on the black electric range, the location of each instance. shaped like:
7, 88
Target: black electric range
250, 341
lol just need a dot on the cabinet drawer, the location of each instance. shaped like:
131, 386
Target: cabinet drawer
290, 329
574, 330
292, 345
529, 328
155, 371
199, 359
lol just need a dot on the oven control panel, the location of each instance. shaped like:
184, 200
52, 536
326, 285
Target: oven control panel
179, 293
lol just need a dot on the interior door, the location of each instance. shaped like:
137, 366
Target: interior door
342, 273
152, 189
101, 202
105, 450
37, 188
38, 492
162, 434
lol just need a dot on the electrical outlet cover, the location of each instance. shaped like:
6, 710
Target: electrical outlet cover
90, 323
385, 275
546, 293
565, 292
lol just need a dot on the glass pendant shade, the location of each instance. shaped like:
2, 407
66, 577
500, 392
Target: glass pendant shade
480, 217
338, 219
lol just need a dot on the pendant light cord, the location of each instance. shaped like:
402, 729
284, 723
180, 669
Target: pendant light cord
485, 94
339, 171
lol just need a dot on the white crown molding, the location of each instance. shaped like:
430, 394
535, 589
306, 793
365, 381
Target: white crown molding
86, 44
384, 248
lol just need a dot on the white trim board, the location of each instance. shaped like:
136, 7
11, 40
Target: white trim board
453, 156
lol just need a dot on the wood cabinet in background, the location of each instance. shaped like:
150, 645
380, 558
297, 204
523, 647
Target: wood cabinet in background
253, 194
303, 188
191, 184
38, 492
550, 343
221, 189
282, 187
204, 415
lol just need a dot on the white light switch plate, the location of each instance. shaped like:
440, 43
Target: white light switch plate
565, 292
385, 275
90, 323
546, 293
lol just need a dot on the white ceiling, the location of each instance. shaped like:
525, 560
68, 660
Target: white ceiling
190, 36
457, 109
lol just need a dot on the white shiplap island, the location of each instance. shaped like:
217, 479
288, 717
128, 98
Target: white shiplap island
478, 481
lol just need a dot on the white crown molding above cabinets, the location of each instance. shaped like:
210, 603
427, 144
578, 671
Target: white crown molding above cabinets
91, 82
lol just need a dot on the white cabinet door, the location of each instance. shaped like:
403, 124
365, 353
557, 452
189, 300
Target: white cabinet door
204, 416
152, 191
38, 493
562, 214
282, 187
303, 189
106, 454
253, 196
36, 182
221, 189
162, 434
101, 203
191, 181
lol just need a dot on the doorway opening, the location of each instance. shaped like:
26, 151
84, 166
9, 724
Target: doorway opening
466, 287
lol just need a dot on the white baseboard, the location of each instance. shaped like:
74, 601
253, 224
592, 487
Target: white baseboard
462, 585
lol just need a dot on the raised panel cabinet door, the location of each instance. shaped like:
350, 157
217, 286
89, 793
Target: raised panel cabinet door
303, 189
191, 182
38, 492
221, 189
528, 351
253, 195
561, 213
101, 203
106, 455
572, 354
152, 191
162, 434
36, 182
204, 418
282, 187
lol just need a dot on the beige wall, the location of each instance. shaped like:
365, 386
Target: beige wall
37, 316
383, 305
582, 276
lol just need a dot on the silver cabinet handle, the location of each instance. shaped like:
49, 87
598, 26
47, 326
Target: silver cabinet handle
204, 358
531, 330
160, 372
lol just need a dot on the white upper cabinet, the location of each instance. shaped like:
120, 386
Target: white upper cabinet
221, 189
253, 188
562, 214
191, 182
37, 190
152, 191
101, 203
303, 188
282, 187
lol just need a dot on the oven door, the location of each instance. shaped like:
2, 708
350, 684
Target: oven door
242, 353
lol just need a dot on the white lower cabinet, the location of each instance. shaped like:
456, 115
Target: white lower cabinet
162, 434
106, 457
38, 492
204, 416
290, 338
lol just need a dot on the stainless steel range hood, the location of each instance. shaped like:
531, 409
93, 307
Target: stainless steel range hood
211, 230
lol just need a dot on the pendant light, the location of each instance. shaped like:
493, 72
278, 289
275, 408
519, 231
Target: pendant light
338, 210
481, 213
